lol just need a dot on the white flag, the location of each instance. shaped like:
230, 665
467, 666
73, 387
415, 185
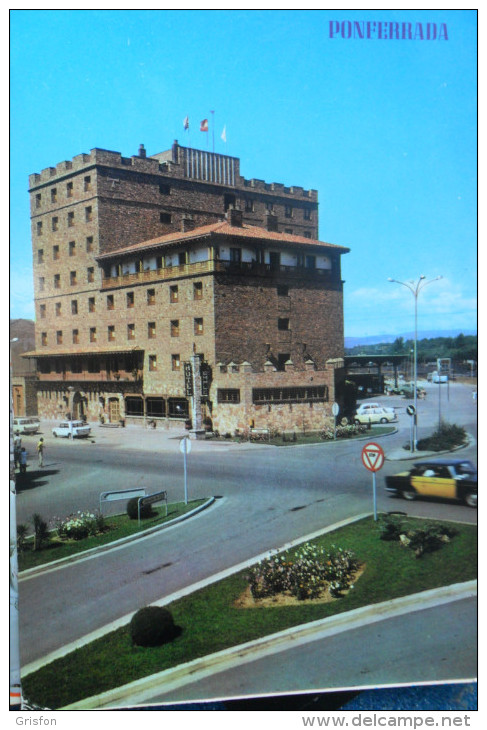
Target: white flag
186, 122
224, 133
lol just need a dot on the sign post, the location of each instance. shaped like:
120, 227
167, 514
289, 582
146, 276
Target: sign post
185, 449
151, 499
373, 458
335, 409
411, 411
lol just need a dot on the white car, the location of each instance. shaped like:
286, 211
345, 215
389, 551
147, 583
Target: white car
370, 407
379, 414
72, 429
26, 425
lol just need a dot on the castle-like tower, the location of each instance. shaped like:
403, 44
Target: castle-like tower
141, 262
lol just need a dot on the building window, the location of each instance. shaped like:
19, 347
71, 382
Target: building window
307, 234
39, 228
91, 304
57, 281
282, 290
89, 244
249, 205
173, 293
282, 359
42, 311
155, 407
110, 301
55, 253
198, 325
269, 207
177, 408
175, 328
53, 195
40, 256
152, 362
175, 362
198, 290
134, 406
151, 330
111, 332
164, 189
72, 278
307, 214
43, 339
283, 324
69, 190
55, 223
235, 255
74, 306
228, 395
130, 299
92, 334
131, 331
57, 309
310, 262
38, 200
72, 248
59, 337
75, 339
90, 274
182, 258
305, 394
70, 219
288, 230
151, 296
88, 214
87, 183
75, 364
42, 283
165, 217
288, 211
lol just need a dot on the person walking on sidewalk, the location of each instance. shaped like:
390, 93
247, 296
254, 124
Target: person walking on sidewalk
23, 461
40, 451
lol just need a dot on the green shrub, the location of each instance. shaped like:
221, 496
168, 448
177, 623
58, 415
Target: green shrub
152, 626
22, 531
390, 527
41, 532
446, 437
133, 509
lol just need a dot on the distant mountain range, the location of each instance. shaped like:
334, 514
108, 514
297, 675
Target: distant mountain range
425, 334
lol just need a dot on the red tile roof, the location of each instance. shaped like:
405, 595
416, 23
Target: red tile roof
223, 228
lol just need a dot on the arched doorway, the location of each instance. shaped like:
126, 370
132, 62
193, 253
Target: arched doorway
114, 410
79, 407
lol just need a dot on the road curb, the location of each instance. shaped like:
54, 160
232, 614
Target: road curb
143, 690
55, 564
402, 455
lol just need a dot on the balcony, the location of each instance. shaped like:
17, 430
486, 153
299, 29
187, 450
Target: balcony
230, 267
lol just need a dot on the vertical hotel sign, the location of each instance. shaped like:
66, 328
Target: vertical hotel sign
188, 379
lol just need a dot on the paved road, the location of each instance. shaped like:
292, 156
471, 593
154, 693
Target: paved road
380, 654
268, 497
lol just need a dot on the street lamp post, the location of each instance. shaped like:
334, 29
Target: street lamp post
415, 288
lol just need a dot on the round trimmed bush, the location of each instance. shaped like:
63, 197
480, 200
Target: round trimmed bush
132, 509
152, 626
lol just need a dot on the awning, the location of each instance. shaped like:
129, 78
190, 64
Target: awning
82, 353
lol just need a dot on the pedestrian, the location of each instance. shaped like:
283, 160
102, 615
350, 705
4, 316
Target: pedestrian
17, 448
40, 451
23, 461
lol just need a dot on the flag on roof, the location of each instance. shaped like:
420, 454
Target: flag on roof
224, 133
186, 122
204, 125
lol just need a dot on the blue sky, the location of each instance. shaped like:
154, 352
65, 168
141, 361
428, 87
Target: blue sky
385, 130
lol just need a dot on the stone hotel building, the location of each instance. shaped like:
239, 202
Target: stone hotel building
169, 285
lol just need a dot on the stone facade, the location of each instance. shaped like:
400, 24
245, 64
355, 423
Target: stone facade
137, 268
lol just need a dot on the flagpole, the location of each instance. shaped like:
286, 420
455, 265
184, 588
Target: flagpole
213, 128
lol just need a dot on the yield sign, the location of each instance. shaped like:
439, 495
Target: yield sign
373, 457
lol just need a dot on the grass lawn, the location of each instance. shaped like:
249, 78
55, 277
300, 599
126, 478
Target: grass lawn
211, 622
119, 526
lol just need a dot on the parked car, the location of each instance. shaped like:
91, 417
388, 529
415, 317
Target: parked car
26, 425
367, 407
72, 429
379, 414
446, 478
